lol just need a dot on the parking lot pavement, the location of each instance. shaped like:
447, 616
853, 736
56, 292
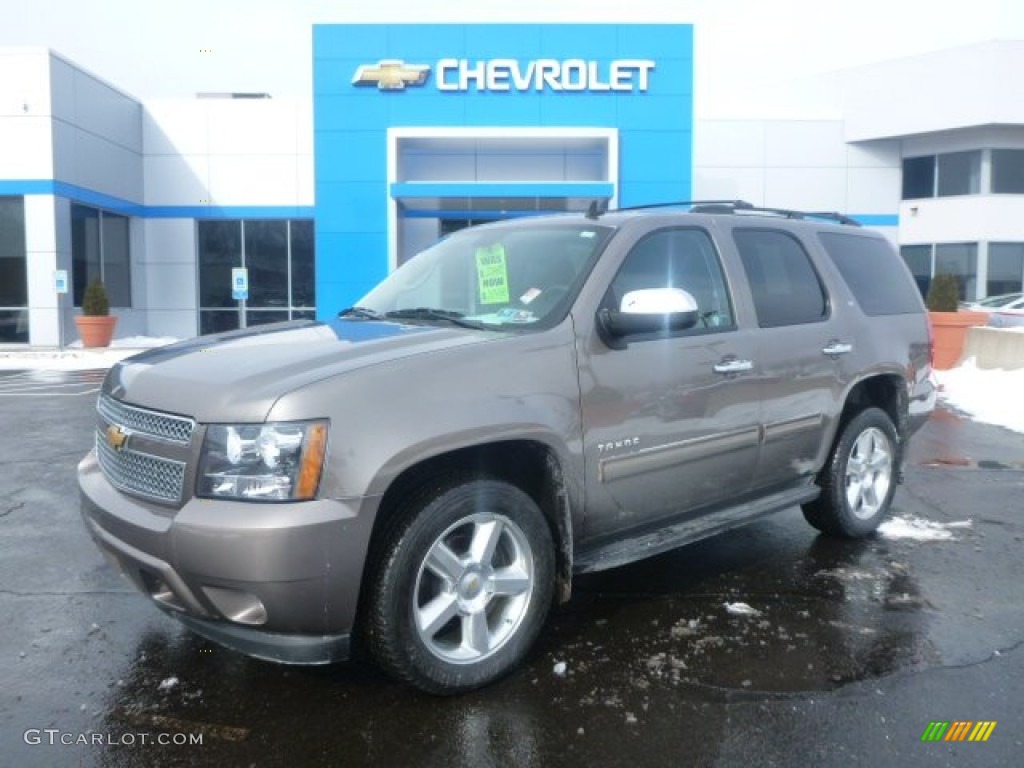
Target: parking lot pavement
42, 383
855, 647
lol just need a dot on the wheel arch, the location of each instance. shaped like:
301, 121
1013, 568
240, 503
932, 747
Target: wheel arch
531, 465
886, 391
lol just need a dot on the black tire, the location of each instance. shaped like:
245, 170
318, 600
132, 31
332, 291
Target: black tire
859, 480
478, 634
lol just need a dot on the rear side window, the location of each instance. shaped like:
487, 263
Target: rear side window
874, 273
785, 287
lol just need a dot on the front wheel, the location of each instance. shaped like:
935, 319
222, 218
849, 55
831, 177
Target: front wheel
463, 588
858, 483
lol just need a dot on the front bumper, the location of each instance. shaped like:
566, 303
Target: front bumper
276, 581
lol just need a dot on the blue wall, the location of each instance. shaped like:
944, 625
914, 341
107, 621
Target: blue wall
350, 122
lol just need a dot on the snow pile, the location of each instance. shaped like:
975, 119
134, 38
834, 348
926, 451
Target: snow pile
919, 529
992, 396
75, 358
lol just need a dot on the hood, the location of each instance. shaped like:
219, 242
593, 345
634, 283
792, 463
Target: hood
237, 376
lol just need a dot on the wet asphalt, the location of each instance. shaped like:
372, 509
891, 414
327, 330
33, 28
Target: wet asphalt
855, 649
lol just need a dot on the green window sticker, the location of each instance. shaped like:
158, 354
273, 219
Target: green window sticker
492, 273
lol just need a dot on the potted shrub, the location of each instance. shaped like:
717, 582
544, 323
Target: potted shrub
95, 324
949, 326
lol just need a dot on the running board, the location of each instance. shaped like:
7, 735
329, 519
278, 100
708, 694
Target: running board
650, 543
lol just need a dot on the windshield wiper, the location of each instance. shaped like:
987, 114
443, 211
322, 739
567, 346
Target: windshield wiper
361, 313
427, 313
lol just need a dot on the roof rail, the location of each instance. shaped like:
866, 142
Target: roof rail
599, 207
728, 206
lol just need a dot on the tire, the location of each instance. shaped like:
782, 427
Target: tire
462, 587
858, 483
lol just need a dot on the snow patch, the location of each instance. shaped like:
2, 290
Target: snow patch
167, 684
988, 396
75, 358
919, 529
559, 668
740, 609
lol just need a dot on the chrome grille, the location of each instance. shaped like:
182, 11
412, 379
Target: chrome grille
162, 426
140, 473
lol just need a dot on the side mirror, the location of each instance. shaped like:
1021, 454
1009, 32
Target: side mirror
651, 310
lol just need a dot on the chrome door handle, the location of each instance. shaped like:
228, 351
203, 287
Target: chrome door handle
835, 348
733, 366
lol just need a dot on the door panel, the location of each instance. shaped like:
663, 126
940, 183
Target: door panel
664, 432
797, 327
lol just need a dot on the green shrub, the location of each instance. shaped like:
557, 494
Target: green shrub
95, 301
943, 293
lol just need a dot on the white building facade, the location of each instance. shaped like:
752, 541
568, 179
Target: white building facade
161, 199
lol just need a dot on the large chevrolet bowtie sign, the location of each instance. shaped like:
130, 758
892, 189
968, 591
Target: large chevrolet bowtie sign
620, 75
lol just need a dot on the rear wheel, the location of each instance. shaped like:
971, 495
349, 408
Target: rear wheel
858, 483
463, 588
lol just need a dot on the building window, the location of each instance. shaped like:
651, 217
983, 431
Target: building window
918, 177
961, 261
1008, 171
954, 173
919, 260
100, 249
957, 259
13, 275
959, 173
279, 255
1005, 268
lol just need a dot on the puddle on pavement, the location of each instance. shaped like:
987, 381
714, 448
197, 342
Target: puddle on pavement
837, 621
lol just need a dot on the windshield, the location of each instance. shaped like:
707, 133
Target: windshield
518, 277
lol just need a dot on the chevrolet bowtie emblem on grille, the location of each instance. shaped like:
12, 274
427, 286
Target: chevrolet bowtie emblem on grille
117, 438
391, 74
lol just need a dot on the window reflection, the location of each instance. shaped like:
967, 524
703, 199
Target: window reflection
279, 255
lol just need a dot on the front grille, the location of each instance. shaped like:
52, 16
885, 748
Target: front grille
162, 426
140, 473
158, 472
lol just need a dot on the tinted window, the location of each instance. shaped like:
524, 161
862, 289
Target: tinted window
13, 274
918, 259
1008, 171
918, 177
266, 257
785, 287
1005, 268
959, 173
100, 250
678, 258
874, 273
960, 260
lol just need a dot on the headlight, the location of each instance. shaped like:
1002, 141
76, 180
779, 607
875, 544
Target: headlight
278, 461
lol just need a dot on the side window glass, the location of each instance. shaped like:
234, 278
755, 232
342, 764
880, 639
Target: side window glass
786, 289
678, 258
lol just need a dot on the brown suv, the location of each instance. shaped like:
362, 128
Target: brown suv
521, 402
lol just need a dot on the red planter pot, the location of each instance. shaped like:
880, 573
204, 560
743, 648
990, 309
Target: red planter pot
96, 331
949, 330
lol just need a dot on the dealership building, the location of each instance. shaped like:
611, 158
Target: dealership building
414, 131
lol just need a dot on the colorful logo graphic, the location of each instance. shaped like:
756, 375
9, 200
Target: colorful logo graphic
958, 730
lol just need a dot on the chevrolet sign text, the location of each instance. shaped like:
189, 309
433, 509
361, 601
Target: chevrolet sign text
543, 74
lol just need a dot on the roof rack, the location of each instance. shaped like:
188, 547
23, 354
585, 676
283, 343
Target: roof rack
599, 207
